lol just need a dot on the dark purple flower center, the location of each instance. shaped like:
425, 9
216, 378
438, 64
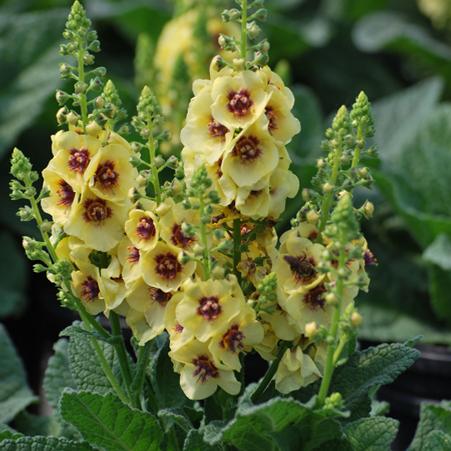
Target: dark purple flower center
302, 267
106, 175
240, 102
247, 149
65, 193
205, 368
79, 160
89, 289
209, 307
96, 210
232, 340
167, 266
146, 228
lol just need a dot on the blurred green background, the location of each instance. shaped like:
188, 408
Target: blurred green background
329, 50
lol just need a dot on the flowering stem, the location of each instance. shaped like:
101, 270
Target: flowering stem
328, 196
244, 29
81, 80
121, 352
107, 371
333, 336
271, 371
141, 365
204, 239
359, 146
236, 246
155, 176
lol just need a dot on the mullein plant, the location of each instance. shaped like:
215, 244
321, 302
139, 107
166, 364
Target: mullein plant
193, 265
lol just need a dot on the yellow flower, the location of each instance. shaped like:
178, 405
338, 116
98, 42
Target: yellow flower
209, 306
86, 288
138, 325
239, 99
171, 224
97, 222
178, 335
203, 133
110, 173
62, 197
295, 370
296, 264
129, 257
283, 184
253, 201
241, 334
280, 323
152, 303
142, 229
252, 155
200, 375
73, 154
267, 348
161, 267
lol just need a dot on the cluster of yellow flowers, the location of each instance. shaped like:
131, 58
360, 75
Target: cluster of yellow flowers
237, 125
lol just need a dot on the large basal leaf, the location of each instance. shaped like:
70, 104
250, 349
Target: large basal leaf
371, 434
29, 55
434, 418
12, 283
110, 425
194, 442
398, 117
83, 363
14, 392
43, 444
277, 424
388, 30
368, 369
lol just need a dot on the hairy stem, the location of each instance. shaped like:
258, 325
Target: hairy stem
121, 352
333, 332
154, 169
141, 365
244, 29
81, 80
204, 239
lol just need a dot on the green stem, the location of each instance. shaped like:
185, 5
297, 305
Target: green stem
328, 197
141, 365
340, 347
270, 373
108, 371
244, 29
358, 147
121, 352
333, 335
204, 239
155, 176
81, 80
236, 247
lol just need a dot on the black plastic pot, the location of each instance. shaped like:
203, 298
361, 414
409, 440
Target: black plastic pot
427, 380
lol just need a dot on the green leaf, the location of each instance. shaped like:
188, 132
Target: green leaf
12, 283
439, 283
107, 423
168, 394
58, 375
439, 252
14, 392
271, 425
195, 442
393, 131
437, 441
433, 417
30, 424
388, 30
173, 416
369, 369
84, 366
43, 444
371, 434
8, 433
29, 75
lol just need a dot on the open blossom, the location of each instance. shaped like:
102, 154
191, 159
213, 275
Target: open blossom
237, 126
162, 268
200, 374
142, 229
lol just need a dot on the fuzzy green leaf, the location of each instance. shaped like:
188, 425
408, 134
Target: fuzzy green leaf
433, 417
371, 434
8, 433
14, 392
84, 366
58, 375
173, 416
393, 131
277, 424
195, 442
43, 444
108, 424
368, 369
12, 283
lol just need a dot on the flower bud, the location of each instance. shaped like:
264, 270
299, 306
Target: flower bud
327, 187
72, 118
356, 319
310, 329
368, 209
312, 216
331, 299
